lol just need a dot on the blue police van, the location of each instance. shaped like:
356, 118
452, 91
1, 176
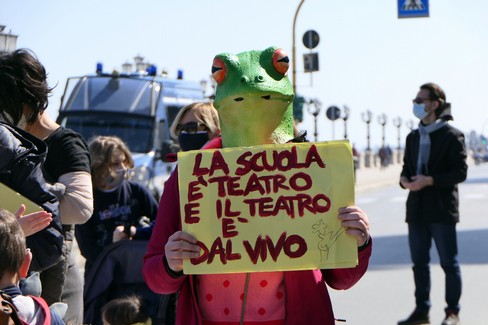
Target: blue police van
138, 107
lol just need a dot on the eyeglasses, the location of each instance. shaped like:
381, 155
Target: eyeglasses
190, 127
419, 100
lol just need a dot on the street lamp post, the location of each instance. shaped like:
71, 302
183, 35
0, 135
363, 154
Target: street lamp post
367, 117
398, 123
315, 112
345, 117
8, 42
382, 119
385, 160
203, 84
293, 50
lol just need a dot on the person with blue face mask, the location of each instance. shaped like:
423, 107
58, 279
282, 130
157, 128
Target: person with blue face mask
119, 203
121, 223
195, 125
433, 165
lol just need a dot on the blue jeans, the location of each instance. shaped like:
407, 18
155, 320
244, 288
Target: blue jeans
420, 237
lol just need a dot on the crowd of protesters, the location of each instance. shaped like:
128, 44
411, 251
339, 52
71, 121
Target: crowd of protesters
85, 192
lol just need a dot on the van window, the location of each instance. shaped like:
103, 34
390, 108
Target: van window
111, 94
136, 131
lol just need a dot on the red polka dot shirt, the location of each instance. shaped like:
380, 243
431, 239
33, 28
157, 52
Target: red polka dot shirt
221, 298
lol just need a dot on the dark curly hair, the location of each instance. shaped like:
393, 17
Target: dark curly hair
23, 81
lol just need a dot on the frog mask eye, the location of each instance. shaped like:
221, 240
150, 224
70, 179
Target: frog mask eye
281, 62
219, 70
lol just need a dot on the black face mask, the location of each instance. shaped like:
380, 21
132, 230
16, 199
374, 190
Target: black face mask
192, 141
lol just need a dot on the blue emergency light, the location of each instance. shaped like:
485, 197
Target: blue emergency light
151, 70
99, 68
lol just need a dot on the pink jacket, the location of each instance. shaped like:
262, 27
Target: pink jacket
307, 302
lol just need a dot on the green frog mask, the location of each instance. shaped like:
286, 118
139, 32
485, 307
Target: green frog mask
254, 97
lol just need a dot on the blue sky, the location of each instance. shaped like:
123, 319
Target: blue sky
369, 59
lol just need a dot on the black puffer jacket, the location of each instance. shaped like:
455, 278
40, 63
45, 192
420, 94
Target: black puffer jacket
447, 166
21, 158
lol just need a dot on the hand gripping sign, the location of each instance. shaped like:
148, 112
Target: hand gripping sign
268, 208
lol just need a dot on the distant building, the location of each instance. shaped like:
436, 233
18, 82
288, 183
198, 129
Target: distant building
8, 42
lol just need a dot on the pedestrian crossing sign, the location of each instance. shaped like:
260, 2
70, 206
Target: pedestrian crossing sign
413, 8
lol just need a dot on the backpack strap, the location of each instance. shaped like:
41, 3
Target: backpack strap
45, 309
8, 311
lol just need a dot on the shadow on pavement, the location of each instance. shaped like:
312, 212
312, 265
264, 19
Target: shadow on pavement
393, 252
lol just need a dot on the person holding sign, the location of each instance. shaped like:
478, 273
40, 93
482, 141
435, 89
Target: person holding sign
254, 100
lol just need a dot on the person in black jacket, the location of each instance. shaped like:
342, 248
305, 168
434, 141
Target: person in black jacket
24, 99
434, 163
21, 157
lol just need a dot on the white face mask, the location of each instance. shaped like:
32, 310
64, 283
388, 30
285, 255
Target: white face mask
419, 111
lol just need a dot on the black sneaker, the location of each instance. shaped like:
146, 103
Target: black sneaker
451, 319
416, 318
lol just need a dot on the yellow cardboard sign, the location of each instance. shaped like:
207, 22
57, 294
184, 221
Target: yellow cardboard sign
268, 208
11, 201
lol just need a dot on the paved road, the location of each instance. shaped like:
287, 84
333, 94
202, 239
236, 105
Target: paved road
385, 294
368, 179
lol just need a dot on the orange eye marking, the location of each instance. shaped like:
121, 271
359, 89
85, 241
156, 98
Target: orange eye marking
281, 62
219, 70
